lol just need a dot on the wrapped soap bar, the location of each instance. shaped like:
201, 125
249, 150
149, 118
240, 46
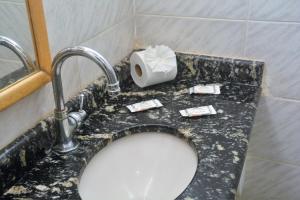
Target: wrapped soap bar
144, 105
199, 111
206, 89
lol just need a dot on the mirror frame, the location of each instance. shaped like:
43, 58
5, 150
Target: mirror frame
27, 85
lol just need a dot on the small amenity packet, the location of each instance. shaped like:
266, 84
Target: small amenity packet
199, 111
144, 105
206, 89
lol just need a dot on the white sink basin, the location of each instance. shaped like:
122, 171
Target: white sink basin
145, 166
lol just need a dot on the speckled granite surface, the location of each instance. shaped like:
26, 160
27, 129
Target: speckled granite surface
221, 141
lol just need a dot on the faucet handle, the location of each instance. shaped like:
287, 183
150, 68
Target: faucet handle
81, 100
75, 119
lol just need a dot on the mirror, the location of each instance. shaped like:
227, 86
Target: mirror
15, 31
25, 60
22, 22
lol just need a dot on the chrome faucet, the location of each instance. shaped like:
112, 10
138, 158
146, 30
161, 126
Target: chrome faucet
19, 51
67, 123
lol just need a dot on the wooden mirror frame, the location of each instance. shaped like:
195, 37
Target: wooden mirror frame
27, 85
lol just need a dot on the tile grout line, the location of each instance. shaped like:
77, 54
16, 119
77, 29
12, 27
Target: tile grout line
274, 161
14, 3
134, 26
189, 17
247, 28
216, 19
10, 61
284, 99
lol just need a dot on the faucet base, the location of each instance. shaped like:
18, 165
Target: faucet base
66, 124
65, 148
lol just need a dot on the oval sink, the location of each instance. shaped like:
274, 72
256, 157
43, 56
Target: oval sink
145, 166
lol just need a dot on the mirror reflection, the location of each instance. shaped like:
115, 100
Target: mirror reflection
17, 53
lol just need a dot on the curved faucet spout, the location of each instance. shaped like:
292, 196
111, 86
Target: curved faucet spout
19, 51
113, 83
66, 123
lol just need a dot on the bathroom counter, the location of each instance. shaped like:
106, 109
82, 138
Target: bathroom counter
220, 140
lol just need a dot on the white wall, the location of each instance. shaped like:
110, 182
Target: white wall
267, 30
106, 26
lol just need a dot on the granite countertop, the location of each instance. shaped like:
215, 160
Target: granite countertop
220, 140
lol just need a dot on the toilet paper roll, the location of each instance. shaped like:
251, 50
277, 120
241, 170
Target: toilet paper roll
143, 74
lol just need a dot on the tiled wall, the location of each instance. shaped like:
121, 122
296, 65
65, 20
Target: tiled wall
14, 24
106, 26
267, 30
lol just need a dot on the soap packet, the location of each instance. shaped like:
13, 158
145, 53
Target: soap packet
206, 89
199, 111
145, 105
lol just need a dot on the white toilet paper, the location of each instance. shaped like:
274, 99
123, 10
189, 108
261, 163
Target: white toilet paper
153, 66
